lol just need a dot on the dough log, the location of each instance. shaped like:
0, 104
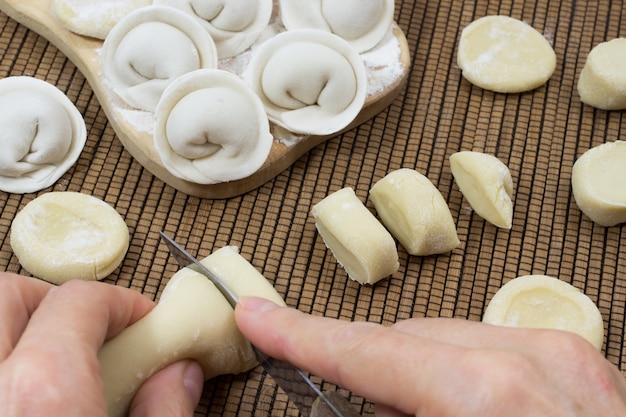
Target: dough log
192, 320
415, 212
602, 82
359, 242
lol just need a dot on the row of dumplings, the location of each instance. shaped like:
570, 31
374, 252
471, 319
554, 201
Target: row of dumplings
212, 125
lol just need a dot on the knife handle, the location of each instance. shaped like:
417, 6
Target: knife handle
344, 407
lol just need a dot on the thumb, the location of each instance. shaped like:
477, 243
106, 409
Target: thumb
172, 392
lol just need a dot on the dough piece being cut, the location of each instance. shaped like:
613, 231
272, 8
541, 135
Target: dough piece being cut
363, 23
210, 127
310, 81
41, 131
415, 212
602, 79
359, 242
543, 302
93, 18
150, 48
486, 183
505, 55
192, 320
234, 25
598, 183
66, 235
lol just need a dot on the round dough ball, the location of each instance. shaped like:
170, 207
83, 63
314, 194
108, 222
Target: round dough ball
598, 183
543, 302
603, 78
66, 235
505, 55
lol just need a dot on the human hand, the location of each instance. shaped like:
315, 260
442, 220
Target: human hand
443, 367
49, 340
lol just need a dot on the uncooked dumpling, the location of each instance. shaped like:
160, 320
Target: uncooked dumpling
192, 320
41, 131
543, 302
505, 55
598, 183
310, 81
210, 128
93, 18
151, 47
234, 25
363, 23
67, 235
602, 79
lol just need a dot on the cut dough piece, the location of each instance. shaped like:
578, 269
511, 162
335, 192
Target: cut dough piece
486, 183
41, 131
234, 25
598, 183
543, 302
192, 320
66, 235
150, 48
363, 23
210, 128
415, 212
359, 242
603, 78
505, 55
93, 18
310, 81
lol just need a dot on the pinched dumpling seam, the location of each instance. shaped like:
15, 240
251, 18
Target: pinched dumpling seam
41, 131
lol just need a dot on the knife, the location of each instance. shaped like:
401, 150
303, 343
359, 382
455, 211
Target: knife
305, 395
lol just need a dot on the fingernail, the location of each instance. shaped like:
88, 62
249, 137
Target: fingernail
193, 380
257, 304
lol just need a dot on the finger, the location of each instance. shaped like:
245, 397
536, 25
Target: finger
172, 392
385, 411
19, 297
350, 355
77, 317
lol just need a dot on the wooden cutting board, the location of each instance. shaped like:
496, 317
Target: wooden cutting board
134, 127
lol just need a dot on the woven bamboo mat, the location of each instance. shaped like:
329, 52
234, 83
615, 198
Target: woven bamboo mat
538, 135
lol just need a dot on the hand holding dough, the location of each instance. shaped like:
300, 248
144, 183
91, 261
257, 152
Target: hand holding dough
310, 81
359, 242
602, 79
542, 302
487, 185
41, 131
151, 47
505, 55
66, 235
192, 320
598, 183
415, 212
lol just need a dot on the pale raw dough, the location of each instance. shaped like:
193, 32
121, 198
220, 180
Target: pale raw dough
505, 55
602, 81
210, 127
415, 212
363, 23
359, 242
598, 183
543, 302
41, 131
192, 320
486, 183
310, 81
234, 25
93, 18
151, 47
67, 235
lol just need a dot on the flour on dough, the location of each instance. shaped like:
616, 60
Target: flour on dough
505, 55
67, 235
93, 18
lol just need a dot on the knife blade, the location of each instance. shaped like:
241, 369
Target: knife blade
303, 393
